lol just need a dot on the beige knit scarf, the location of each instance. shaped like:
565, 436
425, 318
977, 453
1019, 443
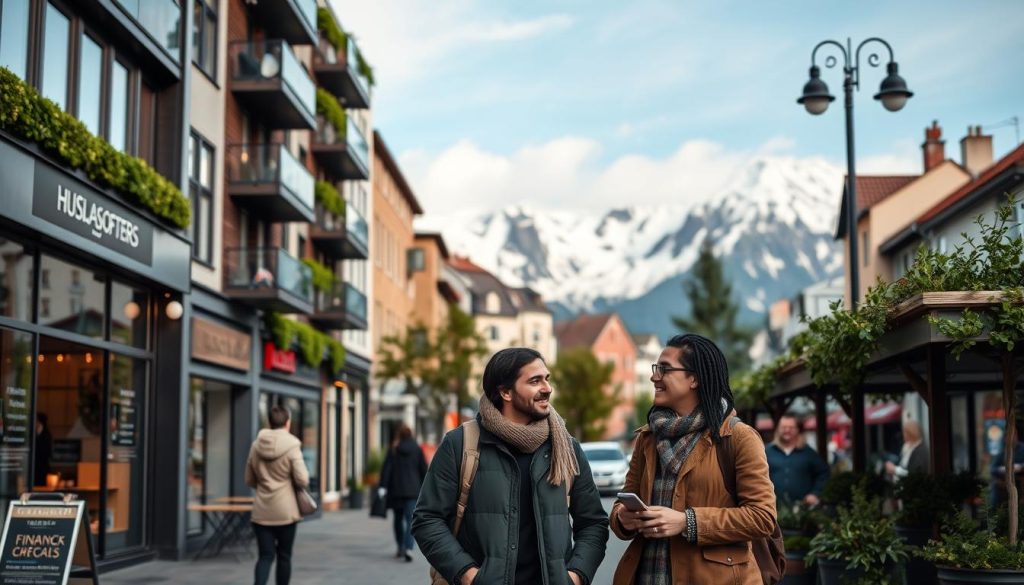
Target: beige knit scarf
528, 438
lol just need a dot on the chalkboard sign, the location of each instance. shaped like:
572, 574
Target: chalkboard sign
66, 451
43, 540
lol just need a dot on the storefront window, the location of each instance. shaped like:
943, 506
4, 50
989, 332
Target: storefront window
16, 363
125, 506
76, 298
129, 315
311, 442
195, 467
208, 471
15, 281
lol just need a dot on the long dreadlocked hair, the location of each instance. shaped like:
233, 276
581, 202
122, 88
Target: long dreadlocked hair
701, 355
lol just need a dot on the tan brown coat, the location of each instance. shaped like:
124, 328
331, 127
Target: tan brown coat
722, 554
274, 468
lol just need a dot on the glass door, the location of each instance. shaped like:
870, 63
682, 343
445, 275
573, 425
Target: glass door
16, 425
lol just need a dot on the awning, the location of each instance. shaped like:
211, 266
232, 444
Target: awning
874, 414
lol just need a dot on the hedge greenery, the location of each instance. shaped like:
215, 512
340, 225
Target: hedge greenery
329, 198
312, 342
29, 116
323, 277
328, 107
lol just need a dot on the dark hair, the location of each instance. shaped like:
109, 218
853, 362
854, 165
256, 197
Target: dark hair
503, 369
279, 416
400, 434
796, 419
42, 419
704, 359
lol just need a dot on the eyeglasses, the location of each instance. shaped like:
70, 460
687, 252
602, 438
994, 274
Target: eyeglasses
658, 370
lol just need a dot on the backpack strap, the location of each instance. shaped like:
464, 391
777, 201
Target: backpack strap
470, 463
727, 460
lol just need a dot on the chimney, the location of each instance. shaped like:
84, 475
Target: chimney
976, 151
934, 146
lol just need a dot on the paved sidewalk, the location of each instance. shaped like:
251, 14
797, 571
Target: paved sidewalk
340, 548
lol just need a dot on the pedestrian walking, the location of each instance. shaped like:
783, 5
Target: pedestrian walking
400, 481
275, 469
694, 530
797, 471
531, 478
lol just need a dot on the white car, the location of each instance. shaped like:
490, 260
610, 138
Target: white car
608, 464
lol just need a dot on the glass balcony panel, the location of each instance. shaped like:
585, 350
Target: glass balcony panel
357, 144
308, 10
357, 226
353, 65
296, 178
270, 268
355, 302
271, 60
161, 19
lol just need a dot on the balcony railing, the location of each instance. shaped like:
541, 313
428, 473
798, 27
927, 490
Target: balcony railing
268, 278
341, 307
343, 237
292, 20
345, 155
268, 178
357, 229
268, 77
338, 71
161, 19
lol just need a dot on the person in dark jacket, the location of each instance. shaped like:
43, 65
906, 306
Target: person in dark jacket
44, 448
400, 481
797, 471
914, 456
516, 529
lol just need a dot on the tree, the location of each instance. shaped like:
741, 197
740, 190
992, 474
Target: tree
580, 397
434, 365
713, 311
642, 405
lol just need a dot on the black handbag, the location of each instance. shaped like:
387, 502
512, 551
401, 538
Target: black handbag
378, 505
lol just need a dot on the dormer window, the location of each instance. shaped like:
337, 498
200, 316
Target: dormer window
493, 303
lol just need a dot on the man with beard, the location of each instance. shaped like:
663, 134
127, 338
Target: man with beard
797, 471
531, 478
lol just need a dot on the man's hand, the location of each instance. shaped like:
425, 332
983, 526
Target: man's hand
661, 522
469, 575
574, 577
890, 467
811, 500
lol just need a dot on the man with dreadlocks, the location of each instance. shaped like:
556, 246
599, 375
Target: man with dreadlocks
693, 532
531, 478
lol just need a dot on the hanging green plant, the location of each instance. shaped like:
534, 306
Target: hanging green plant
327, 196
328, 107
323, 277
29, 116
365, 69
325, 22
312, 343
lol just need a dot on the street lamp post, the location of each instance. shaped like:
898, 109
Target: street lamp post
893, 94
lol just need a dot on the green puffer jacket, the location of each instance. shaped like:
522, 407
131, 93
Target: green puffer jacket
492, 515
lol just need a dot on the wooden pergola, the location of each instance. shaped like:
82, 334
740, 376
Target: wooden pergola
912, 357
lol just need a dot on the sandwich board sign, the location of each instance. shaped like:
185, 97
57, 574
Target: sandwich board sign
46, 541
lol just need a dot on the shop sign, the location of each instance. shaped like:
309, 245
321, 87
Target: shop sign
14, 417
220, 345
64, 202
40, 541
278, 360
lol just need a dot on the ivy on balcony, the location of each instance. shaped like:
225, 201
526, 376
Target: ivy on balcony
323, 277
329, 198
312, 342
328, 107
29, 116
339, 38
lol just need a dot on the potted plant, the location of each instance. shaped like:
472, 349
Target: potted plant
799, 523
374, 464
971, 554
356, 494
797, 571
859, 546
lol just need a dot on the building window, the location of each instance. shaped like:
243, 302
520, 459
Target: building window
204, 38
14, 36
44, 307
90, 70
494, 333
200, 186
45, 278
867, 249
493, 303
55, 56
118, 127
415, 260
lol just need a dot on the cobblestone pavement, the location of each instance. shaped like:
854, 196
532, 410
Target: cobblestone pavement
341, 548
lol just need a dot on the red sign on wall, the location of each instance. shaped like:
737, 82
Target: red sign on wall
278, 360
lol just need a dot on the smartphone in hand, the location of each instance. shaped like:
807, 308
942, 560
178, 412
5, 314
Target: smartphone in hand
631, 501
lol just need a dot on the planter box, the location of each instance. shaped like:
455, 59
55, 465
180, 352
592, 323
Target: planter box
953, 576
919, 571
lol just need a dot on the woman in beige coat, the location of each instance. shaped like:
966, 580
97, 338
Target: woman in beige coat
274, 469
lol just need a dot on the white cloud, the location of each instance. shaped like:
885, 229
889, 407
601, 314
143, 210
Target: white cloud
409, 39
903, 159
567, 173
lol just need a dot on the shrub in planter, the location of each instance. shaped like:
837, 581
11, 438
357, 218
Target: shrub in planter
838, 489
800, 519
970, 553
860, 545
797, 572
356, 494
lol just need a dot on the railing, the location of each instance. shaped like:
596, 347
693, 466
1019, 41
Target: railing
342, 297
256, 164
326, 133
271, 60
357, 227
161, 19
256, 268
308, 10
357, 144
352, 60
329, 222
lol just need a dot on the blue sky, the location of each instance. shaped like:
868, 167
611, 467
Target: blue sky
558, 96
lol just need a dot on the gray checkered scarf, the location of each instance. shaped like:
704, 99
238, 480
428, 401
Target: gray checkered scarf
675, 437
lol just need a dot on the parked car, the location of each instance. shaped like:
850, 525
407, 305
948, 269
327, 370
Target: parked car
608, 464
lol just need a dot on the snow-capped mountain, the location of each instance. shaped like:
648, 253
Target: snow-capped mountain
772, 226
